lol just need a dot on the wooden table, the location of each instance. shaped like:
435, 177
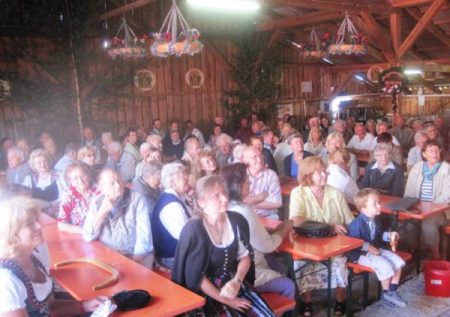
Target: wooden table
169, 299
320, 250
419, 212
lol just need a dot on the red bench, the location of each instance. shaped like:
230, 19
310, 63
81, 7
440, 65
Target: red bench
356, 269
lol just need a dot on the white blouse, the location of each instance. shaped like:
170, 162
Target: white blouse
13, 292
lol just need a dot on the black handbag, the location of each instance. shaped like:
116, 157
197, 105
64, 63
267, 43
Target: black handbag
131, 300
315, 229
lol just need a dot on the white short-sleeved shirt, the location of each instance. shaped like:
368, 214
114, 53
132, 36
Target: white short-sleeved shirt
375, 142
364, 144
13, 292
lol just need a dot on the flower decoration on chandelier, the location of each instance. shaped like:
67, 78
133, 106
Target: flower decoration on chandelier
126, 44
349, 40
315, 48
392, 80
169, 42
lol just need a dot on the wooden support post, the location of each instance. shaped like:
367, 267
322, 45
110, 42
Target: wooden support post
395, 20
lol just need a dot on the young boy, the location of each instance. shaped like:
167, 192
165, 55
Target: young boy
386, 264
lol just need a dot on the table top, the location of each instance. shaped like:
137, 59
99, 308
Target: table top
169, 299
270, 223
319, 249
420, 211
287, 185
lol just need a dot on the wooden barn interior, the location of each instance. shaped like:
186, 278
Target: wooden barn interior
60, 75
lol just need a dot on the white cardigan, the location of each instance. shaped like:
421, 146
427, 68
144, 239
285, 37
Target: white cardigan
441, 181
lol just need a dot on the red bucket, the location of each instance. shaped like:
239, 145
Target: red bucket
437, 278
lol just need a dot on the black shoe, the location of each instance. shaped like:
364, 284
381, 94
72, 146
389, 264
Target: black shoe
339, 309
306, 309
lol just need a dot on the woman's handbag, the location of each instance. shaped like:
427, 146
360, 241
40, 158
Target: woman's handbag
131, 300
315, 229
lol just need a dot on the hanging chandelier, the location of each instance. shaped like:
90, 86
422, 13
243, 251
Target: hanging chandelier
169, 42
126, 45
314, 48
348, 41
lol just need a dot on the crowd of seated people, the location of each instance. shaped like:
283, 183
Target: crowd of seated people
155, 197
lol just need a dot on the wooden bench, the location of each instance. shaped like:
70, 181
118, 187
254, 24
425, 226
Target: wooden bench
356, 269
278, 303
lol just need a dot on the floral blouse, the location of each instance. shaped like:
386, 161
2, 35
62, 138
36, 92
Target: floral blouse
74, 206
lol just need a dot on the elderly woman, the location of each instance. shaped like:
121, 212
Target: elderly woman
214, 256
119, 219
428, 181
415, 153
387, 138
371, 127
314, 200
43, 182
148, 184
171, 212
106, 139
87, 155
236, 179
292, 161
208, 164
338, 175
314, 144
77, 197
26, 286
336, 141
18, 168
384, 174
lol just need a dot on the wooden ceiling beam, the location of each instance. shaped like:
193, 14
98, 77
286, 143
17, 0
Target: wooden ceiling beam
375, 31
409, 3
444, 20
395, 23
426, 84
128, 7
331, 5
433, 29
435, 68
365, 67
307, 19
420, 27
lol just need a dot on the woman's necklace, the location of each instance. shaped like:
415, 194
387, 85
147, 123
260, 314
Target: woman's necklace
216, 231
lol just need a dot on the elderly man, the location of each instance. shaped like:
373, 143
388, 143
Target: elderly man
18, 168
381, 128
415, 154
120, 219
433, 134
90, 140
265, 192
404, 134
144, 151
224, 147
283, 149
341, 127
174, 149
130, 157
114, 150
155, 141
191, 149
148, 184
361, 142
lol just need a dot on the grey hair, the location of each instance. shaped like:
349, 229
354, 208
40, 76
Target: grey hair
115, 147
39, 153
420, 133
107, 134
150, 169
293, 136
383, 147
238, 152
224, 138
17, 151
144, 147
340, 121
190, 141
382, 123
170, 172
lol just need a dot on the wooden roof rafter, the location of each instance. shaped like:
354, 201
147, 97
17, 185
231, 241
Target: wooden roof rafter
327, 5
307, 19
421, 25
433, 29
123, 9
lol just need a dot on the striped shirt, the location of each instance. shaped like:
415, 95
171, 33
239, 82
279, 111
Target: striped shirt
426, 190
266, 181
